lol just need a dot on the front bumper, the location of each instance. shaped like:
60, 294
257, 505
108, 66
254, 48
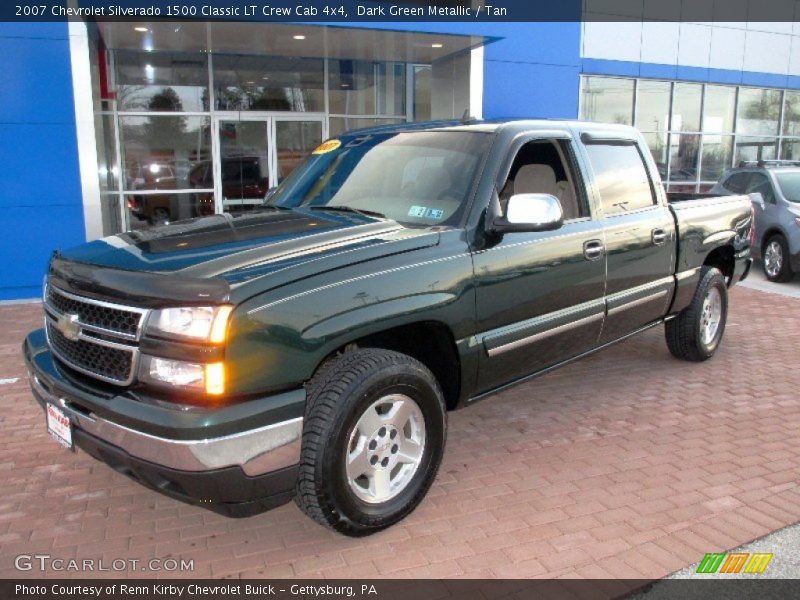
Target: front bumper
237, 460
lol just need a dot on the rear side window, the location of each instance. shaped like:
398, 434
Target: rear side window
737, 183
621, 177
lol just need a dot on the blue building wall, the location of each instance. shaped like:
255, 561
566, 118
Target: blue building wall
624, 68
530, 69
40, 191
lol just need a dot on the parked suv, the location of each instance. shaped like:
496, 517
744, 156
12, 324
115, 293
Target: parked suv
774, 187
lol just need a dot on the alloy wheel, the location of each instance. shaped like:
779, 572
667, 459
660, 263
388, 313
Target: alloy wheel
773, 258
385, 448
711, 316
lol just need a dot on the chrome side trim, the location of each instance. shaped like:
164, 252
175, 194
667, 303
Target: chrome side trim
637, 302
134, 350
544, 334
256, 451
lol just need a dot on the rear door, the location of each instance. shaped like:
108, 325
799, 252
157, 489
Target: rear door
539, 296
639, 234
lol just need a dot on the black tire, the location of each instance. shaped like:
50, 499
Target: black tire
338, 394
784, 269
683, 333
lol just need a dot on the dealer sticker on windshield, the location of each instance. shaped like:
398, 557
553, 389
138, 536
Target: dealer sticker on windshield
326, 147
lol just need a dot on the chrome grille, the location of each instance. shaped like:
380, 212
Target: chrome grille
103, 316
114, 365
94, 337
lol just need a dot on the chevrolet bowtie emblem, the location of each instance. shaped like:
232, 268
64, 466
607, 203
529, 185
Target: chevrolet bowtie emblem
68, 326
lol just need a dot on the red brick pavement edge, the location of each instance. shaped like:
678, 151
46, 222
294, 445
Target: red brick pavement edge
627, 464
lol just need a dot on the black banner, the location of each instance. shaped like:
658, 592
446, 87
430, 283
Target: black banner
344, 11
581, 589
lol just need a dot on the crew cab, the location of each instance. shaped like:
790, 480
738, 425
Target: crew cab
310, 350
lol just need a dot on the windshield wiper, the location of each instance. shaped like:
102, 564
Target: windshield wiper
349, 209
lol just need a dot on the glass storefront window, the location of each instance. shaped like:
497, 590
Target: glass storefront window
759, 111
358, 87
791, 113
686, 107
684, 152
338, 125
160, 152
719, 107
607, 99
161, 81
652, 105
658, 144
422, 93
268, 83
148, 209
754, 149
294, 141
790, 150
717, 156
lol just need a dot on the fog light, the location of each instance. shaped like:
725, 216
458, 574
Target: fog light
181, 375
174, 372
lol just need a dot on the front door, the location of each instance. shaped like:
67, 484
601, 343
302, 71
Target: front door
540, 295
256, 152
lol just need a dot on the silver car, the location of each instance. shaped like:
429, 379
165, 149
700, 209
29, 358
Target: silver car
774, 187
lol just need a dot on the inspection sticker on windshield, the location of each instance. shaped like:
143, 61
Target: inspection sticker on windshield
326, 147
423, 212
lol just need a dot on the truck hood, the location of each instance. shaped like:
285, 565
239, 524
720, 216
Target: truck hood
239, 249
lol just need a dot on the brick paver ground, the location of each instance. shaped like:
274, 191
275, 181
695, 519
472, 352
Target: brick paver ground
627, 464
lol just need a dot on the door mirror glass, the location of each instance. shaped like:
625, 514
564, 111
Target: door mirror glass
530, 212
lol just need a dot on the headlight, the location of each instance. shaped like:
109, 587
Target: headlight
193, 323
178, 374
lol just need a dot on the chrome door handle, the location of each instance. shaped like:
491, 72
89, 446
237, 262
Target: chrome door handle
593, 249
659, 237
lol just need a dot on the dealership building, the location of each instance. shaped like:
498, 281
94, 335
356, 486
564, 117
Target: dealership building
107, 127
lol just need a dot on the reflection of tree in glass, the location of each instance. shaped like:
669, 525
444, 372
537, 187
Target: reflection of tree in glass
166, 100
767, 106
269, 99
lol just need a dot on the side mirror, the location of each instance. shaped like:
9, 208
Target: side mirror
526, 212
757, 198
270, 192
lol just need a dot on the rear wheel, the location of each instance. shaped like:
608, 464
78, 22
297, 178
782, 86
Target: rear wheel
695, 334
776, 260
373, 439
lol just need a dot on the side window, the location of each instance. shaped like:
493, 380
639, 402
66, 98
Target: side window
760, 184
737, 183
542, 167
621, 177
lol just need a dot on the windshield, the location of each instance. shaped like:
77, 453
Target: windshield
790, 185
419, 178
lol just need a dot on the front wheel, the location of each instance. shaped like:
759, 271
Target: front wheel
373, 439
776, 260
695, 334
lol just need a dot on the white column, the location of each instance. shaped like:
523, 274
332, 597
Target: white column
476, 83
84, 126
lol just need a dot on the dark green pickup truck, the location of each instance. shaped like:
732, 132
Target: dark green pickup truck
311, 349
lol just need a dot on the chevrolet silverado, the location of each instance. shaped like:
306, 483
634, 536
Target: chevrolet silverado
310, 349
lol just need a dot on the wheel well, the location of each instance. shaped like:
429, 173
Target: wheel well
722, 258
768, 234
431, 343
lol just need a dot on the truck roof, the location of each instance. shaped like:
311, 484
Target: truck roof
494, 126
